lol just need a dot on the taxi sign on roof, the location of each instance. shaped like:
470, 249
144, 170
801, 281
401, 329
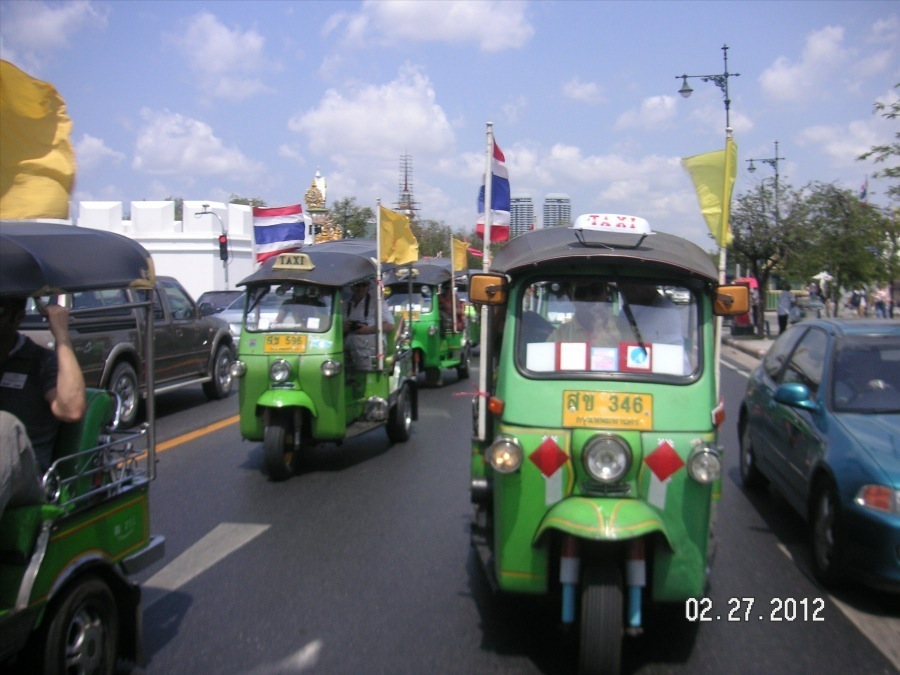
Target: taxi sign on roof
293, 261
612, 222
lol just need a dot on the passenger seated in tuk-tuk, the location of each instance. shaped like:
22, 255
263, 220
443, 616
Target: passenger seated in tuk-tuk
39, 388
360, 325
445, 304
594, 319
304, 309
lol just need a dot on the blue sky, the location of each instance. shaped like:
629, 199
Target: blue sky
203, 100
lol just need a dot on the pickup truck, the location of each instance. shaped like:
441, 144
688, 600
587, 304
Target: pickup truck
190, 347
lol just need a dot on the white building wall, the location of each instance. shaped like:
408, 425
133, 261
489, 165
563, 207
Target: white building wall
187, 250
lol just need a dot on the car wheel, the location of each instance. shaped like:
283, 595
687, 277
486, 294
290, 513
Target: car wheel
602, 619
751, 476
825, 536
124, 383
220, 384
83, 633
400, 418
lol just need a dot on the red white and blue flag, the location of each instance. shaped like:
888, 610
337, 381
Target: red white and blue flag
277, 229
500, 199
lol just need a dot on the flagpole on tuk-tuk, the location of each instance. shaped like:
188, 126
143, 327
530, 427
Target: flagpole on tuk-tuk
484, 351
452, 284
379, 350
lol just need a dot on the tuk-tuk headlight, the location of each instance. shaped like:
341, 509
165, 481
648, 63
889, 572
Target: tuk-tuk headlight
505, 455
330, 368
280, 370
432, 331
705, 464
238, 369
606, 458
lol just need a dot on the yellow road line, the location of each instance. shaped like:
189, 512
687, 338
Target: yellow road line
184, 438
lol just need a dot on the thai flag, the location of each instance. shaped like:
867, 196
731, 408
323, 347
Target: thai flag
278, 229
500, 199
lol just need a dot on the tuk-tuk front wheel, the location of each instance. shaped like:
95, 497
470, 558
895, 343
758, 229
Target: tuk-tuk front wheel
278, 450
400, 417
83, 633
602, 620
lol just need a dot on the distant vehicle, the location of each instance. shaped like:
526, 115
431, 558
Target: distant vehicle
820, 421
234, 314
219, 300
190, 347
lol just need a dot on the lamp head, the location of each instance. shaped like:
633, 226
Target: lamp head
685, 90
752, 167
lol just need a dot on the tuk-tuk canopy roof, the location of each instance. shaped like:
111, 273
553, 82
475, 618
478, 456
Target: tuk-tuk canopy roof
430, 271
563, 245
47, 258
335, 263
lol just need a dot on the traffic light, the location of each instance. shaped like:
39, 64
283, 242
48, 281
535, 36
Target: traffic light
223, 246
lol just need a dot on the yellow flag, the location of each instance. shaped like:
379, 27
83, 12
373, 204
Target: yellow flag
398, 243
37, 163
713, 175
460, 248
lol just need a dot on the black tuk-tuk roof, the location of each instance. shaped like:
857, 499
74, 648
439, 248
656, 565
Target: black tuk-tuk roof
38, 258
430, 271
336, 263
564, 244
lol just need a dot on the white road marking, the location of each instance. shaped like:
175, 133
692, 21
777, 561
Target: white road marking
213, 547
304, 659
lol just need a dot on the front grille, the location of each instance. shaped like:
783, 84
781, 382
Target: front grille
590, 488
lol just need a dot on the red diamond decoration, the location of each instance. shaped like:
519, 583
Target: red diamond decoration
548, 457
664, 461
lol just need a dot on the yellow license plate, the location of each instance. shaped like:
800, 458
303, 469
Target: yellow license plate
290, 344
607, 410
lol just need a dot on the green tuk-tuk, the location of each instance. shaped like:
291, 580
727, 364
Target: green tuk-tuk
66, 601
424, 294
297, 384
596, 460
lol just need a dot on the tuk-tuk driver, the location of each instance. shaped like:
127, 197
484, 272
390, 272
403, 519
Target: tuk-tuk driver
39, 388
594, 320
360, 324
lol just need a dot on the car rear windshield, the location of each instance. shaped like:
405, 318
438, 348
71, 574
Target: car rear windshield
867, 374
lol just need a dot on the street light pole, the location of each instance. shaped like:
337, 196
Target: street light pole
773, 162
224, 230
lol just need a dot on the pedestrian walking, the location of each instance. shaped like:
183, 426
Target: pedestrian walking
785, 304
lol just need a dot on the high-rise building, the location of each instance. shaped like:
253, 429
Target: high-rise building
557, 210
521, 215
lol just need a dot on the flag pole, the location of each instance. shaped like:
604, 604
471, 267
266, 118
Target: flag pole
484, 348
453, 283
379, 292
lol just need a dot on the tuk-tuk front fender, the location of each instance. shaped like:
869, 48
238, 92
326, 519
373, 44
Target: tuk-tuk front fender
286, 398
602, 519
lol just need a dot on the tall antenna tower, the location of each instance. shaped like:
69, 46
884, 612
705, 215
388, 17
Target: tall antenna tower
406, 203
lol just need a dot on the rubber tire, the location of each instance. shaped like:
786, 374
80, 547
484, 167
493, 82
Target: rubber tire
124, 382
462, 370
751, 477
434, 377
83, 631
399, 421
220, 384
602, 619
825, 536
277, 451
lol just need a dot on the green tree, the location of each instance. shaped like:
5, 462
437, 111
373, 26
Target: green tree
883, 153
765, 233
355, 221
246, 201
179, 206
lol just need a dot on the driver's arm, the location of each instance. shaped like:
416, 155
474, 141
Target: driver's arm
67, 399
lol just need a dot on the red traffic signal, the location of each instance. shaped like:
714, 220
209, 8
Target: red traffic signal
223, 246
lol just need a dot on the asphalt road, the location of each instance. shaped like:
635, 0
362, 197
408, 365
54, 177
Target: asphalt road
362, 564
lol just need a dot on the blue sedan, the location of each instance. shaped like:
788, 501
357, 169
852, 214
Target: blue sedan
821, 422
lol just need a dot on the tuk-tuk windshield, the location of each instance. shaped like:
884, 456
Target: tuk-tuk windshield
302, 308
400, 299
593, 326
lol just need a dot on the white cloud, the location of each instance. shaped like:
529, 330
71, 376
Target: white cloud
655, 112
378, 121
494, 26
31, 29
172, 144
586, 92
843, 144
807, 79
227, 63
91, 152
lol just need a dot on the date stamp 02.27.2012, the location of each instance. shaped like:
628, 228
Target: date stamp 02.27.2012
739, 610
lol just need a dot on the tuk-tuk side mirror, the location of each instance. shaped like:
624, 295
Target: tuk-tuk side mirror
731, 300
488, 289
